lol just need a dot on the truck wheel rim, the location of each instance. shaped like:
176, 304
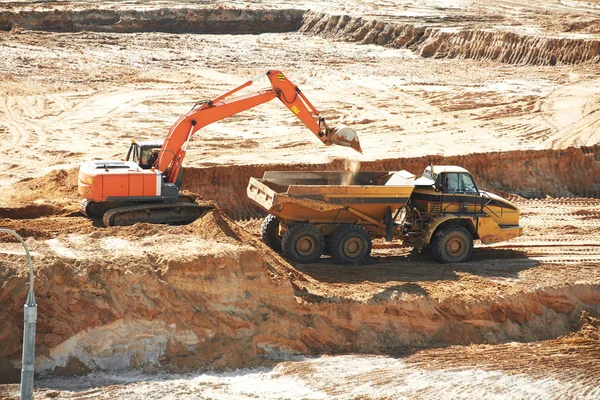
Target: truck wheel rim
455, 246
306, 245
353, 247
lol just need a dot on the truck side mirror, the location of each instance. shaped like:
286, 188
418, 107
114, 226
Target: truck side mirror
437, 186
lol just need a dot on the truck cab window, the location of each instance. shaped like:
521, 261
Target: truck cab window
454, 182
450, 181
466, 184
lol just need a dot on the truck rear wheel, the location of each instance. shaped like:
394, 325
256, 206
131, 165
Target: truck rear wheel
350, 244
452, 244
269, 231
302, 243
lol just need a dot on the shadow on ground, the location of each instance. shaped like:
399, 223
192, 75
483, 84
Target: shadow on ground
415, 267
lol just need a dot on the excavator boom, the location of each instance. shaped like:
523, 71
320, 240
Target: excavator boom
173, 150
147, 189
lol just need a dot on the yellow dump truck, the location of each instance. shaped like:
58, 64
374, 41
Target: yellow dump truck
338, 213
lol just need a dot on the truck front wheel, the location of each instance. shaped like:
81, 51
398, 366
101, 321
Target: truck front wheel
350, 244
452, 244
269, 231
302, 243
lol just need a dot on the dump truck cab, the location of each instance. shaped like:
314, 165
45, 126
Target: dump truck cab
448, 210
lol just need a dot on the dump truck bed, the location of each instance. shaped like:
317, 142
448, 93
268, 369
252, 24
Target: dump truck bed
332, 197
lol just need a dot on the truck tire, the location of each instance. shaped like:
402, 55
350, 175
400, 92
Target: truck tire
452, 244
350, 244
269, 232
302, 243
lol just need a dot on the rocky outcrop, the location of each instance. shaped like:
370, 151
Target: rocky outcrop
429, 40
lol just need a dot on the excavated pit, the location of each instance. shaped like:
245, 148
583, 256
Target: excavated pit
437, 41
211, 295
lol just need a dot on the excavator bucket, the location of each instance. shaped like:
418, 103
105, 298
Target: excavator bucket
345, 136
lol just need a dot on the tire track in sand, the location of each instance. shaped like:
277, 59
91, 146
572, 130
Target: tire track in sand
574, 112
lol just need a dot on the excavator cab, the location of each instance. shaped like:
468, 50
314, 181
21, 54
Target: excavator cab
144, 153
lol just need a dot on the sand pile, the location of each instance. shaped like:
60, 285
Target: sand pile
58, 184
52, 194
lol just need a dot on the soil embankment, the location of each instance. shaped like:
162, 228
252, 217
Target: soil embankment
211, 295
171, 20
436, 40
573, 172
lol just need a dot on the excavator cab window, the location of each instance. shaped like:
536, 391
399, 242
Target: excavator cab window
144, 154
148, 156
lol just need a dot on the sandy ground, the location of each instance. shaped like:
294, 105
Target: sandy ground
70, 97
561, 247
94, 93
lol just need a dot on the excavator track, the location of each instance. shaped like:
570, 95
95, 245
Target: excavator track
92, 209
178, 213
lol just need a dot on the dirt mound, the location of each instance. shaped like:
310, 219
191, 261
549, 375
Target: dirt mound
172, 20
427, 40
59, 184
588, 328
214, 225
34, 199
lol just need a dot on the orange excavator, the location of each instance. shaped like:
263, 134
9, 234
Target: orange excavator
145, 187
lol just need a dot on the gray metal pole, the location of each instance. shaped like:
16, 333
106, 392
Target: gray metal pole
28, 329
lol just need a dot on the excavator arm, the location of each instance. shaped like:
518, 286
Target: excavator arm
174, 147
